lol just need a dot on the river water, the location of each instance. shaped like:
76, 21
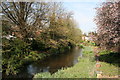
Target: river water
52, 64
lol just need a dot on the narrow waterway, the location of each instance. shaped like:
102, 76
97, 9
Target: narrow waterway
52, 63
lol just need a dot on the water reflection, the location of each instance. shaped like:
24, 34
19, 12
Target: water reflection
53, 63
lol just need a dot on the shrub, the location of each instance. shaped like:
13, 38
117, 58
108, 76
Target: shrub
13, 53
38, 44
81, 46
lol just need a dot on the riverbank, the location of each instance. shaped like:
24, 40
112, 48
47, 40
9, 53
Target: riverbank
107, 65
32, 57
87, 67
83, 69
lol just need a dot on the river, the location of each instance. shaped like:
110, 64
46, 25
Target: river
52, 64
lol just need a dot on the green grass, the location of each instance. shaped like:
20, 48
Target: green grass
109, 63
83, 69
108, 69
87, 48
88, 52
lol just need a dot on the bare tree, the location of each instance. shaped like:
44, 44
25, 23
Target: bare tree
17, 13
27, 16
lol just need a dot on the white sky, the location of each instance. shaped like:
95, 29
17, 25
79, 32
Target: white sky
84, 13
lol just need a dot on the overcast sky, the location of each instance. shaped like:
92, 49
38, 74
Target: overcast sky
84, 13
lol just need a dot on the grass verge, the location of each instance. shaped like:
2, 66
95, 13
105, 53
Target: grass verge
83, 69
108, 69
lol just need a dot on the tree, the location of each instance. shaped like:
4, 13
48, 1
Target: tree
27, 16
108, 24
17, 13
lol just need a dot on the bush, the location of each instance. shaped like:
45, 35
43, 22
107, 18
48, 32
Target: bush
15, 47
81, 46
38, 45
13, 53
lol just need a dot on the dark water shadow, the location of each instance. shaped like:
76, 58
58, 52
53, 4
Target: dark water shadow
50, 64
112, 58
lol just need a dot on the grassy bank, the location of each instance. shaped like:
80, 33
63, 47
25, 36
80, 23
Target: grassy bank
110, 57
83, 69
108, 69
110, 63
16, 54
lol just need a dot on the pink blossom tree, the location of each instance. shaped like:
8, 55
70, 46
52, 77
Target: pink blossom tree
108, 26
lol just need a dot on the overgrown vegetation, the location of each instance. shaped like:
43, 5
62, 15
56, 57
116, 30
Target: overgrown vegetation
35, 30
32, 31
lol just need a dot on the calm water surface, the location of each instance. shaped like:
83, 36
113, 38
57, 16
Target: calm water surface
52, 63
